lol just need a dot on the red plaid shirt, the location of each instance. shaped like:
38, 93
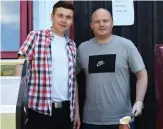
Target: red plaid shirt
37, 50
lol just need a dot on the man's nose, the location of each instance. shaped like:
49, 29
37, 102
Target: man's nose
101, 23
63, 20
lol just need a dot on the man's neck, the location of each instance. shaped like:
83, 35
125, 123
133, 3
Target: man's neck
104, 40
57, 32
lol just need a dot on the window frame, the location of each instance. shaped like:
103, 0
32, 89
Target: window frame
26, 25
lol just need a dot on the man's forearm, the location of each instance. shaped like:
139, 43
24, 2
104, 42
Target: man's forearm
141, 85
76, 98
18, 69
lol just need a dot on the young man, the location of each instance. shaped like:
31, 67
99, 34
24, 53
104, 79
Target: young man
51, 56
107, 60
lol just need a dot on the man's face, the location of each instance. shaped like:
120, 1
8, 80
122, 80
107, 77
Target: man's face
62, 20
102, 23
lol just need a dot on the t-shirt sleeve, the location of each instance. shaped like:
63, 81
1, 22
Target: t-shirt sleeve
27, 49
134, 58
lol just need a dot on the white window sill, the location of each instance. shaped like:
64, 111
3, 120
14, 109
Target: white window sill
10, 77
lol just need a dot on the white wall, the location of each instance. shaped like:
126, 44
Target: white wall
9, 90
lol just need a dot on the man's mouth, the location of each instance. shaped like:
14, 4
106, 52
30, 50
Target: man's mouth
102, 29
62, 25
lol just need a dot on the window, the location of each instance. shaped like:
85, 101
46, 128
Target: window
16, 23
10, 21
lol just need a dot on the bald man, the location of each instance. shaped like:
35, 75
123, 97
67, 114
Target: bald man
107, 60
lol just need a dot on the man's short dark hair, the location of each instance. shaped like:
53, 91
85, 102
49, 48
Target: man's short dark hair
63, 4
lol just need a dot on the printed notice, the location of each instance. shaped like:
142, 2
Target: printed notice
123, 12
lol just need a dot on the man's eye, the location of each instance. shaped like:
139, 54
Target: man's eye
69, 17
97, 22
60, 15
105, 21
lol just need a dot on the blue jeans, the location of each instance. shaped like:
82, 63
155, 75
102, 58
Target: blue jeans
90, 126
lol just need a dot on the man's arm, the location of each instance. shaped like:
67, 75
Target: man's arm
26, 51
18, 69
141, 84
76, 98
141, 87
21, 57
77, 116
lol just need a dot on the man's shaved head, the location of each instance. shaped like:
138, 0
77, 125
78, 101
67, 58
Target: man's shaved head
100, 11
102, 23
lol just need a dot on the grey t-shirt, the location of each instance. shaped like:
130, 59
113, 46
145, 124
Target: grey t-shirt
107, 68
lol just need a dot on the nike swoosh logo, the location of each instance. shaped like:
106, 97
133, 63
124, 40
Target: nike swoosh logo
100, 63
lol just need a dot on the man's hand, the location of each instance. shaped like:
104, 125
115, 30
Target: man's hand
76, 124
137, 108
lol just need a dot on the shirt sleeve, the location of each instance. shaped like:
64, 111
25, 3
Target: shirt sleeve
27, 49
135, 60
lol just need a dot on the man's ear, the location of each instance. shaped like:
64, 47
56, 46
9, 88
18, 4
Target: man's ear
91, 26
112, 23
52, 17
